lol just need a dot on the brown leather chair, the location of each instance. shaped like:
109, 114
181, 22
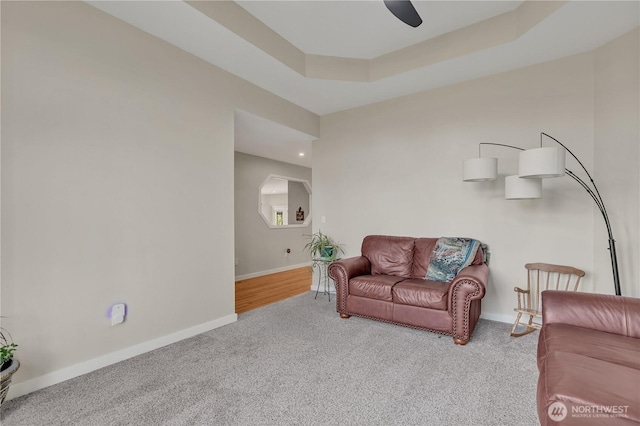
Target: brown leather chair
589, 359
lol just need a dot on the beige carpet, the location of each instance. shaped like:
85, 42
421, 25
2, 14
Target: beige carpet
297, 363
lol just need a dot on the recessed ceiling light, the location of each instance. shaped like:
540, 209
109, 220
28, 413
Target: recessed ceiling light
301, 154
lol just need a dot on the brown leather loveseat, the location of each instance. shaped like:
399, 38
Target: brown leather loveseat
387, 283
589, 359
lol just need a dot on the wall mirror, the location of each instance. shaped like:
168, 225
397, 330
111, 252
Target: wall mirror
285, 202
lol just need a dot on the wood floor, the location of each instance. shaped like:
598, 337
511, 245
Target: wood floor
260, 291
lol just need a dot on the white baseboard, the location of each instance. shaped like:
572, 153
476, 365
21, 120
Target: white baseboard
271, 271
498, 317
32, 385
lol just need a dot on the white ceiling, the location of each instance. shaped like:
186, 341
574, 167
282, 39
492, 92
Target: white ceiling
274, 186
258, 136
364, 29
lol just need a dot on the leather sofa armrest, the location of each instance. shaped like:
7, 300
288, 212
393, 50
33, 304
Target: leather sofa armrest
477, 273
470, 284
341, 271
602, 312
345, 269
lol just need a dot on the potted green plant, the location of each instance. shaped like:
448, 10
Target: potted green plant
321, 246
8, 365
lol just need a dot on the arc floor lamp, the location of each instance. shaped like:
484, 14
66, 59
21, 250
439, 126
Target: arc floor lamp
534, 165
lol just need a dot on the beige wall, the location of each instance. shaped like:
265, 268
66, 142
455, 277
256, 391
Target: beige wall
117, 155
395, 168
617, 149
260, 249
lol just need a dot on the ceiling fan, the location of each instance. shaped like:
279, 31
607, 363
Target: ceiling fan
404, 11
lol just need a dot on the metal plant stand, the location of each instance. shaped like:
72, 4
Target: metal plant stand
323, 277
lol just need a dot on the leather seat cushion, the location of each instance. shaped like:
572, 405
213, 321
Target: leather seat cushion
579, 380
373, 286
423, 293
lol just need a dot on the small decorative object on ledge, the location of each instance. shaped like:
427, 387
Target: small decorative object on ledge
300, 215
8, 365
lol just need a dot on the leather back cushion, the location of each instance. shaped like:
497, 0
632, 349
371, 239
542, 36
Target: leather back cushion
389, 255
422, 256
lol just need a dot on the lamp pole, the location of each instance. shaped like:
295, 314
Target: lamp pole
597, 198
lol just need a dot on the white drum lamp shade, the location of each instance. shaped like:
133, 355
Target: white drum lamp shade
516, 188
480, 169
540, 163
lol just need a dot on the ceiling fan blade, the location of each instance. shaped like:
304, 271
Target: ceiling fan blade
404, 11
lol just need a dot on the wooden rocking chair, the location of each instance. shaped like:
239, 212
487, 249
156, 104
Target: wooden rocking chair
540, 277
